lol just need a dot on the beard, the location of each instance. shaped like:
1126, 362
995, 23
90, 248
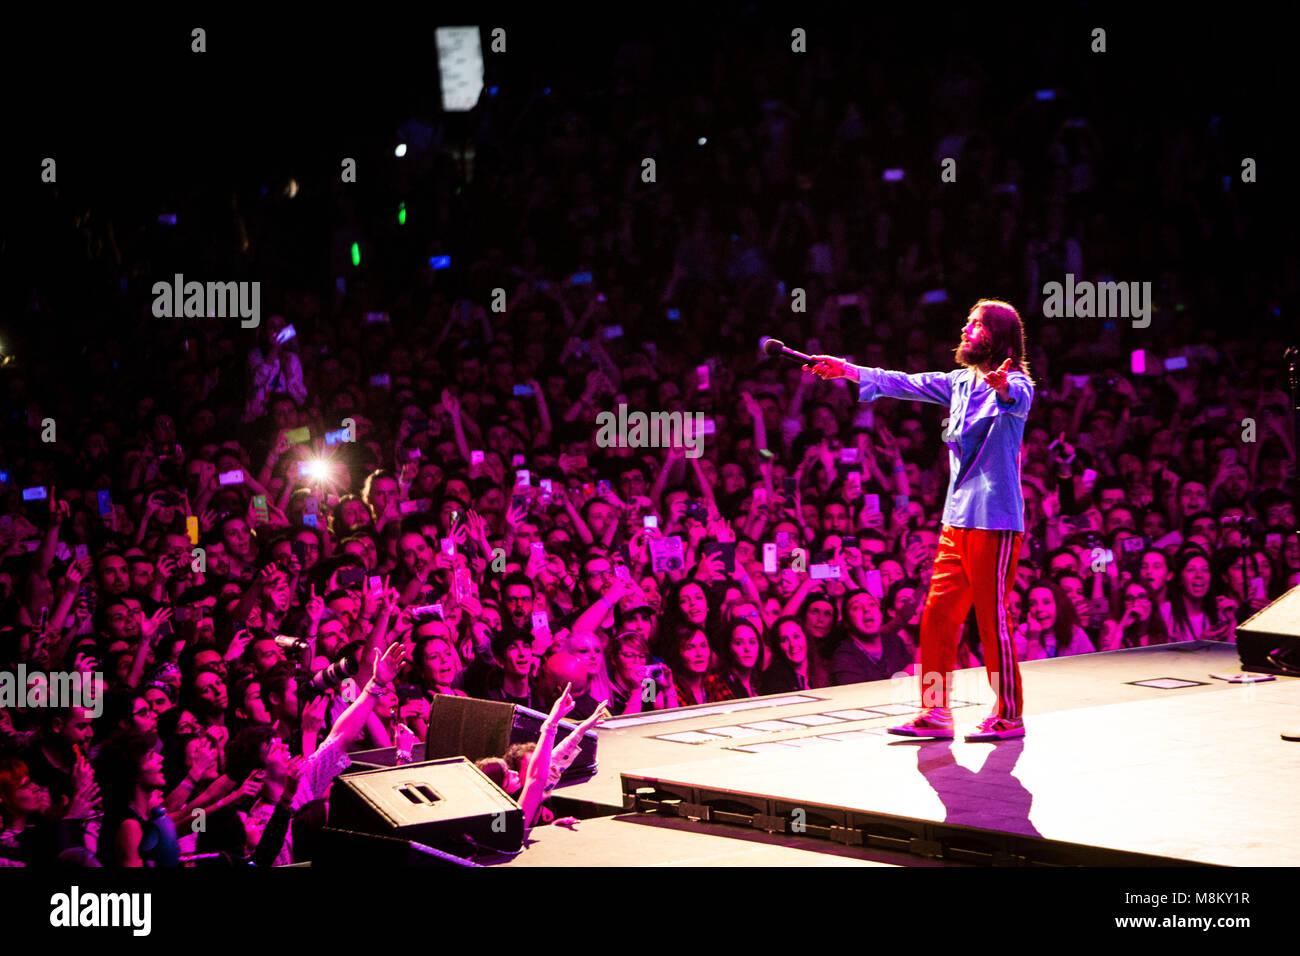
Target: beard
973, 354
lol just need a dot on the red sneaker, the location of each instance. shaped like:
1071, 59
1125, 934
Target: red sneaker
996, 728
928, 724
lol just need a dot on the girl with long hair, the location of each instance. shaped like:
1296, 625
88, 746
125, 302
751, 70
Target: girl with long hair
1134, 619
1051, 628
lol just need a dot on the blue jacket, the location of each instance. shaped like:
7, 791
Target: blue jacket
983, 452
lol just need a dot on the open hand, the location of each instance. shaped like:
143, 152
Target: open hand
997, 379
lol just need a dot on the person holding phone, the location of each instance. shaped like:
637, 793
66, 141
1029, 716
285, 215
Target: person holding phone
988, 400
273, 367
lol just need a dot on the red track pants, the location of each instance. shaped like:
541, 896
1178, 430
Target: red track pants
972, 565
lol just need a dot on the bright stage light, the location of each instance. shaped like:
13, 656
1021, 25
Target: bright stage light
318, 469
400, 151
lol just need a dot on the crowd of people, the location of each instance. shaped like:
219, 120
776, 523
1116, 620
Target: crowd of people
264, 547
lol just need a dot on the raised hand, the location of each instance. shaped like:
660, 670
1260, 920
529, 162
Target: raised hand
997, 379
313, 716
388, 666
253, 784
315, 606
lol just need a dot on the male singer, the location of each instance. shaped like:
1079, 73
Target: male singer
988, 400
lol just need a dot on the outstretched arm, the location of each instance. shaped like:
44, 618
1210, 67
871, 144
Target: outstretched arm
935, 387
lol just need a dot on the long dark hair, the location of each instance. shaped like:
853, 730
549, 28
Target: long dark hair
1007, 332
1067, 619
117, 770
1178, 620
1153, 627
673, 619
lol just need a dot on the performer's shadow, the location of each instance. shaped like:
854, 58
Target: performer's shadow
991, 797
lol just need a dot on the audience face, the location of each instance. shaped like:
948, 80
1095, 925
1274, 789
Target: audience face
1191, 498
695, 654
519, 604
383, 496
439, 663
237, 539
252, 706
266, 654
415, 554
586, 648
113, 575
694, 606
818, 619
746, 648
1015, 605
793, 642
76, 729
1072, 586
518, 660
1137, 602
863, 616
1042, 607
629, 664
598, 577
1196, 578
1154, 571
210, 691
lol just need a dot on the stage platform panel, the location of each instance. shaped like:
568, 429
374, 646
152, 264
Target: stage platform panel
640, 840
1051, 686
1194, 773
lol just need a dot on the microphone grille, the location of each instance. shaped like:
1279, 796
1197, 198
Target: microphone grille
773, 346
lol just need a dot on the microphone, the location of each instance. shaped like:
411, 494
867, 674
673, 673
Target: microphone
775, 347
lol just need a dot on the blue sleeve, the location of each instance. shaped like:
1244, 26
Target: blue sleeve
933, 387
1022, 396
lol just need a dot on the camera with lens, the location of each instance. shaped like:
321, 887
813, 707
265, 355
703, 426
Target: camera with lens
328, 678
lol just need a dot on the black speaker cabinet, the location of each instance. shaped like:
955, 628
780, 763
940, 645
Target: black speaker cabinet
1269, 640
447, 804
468, 727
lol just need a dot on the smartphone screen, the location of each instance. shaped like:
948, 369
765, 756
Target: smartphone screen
231, 478
769, 559
874, 585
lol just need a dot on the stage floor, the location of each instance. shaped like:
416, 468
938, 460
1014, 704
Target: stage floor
645, 840
1194, 773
